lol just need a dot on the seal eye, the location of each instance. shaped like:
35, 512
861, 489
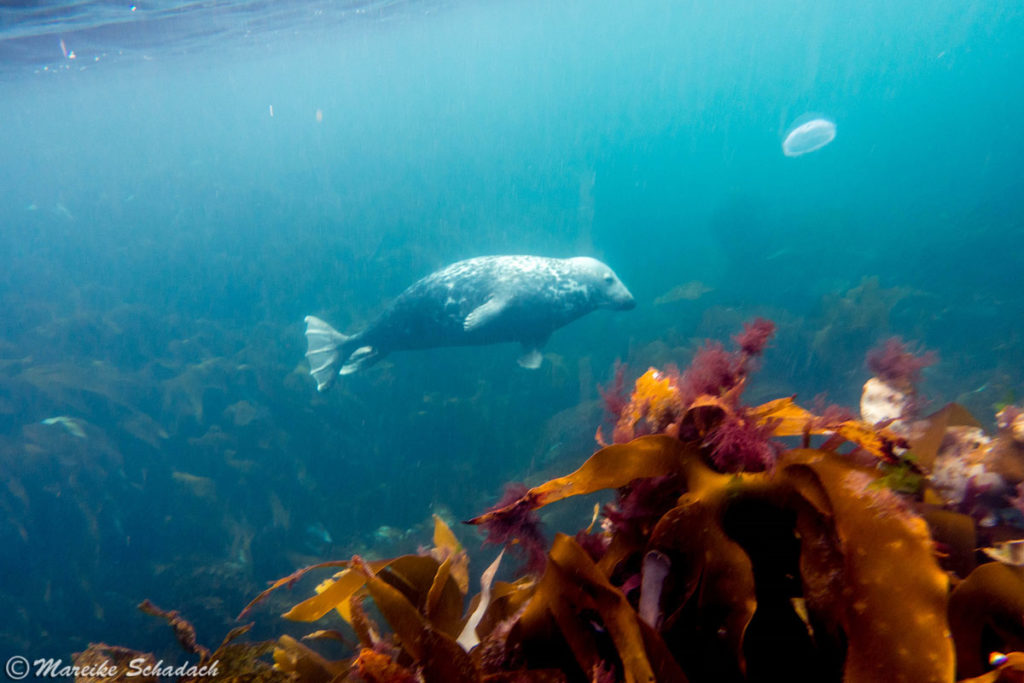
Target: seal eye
609, 279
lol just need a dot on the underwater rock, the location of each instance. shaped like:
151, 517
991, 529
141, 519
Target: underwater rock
960, 466
883, 403
807, 136
1007, 453
972, 472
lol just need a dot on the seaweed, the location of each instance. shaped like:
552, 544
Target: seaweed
894, 362
728, 554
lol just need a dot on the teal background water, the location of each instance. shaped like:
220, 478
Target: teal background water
179, 195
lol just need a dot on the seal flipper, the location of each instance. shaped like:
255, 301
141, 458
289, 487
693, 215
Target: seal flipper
323, 343
362, 357
485, 313
531, 357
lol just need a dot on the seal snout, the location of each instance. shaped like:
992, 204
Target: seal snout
621, 298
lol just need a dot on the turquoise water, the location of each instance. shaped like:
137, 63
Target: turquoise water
199, 177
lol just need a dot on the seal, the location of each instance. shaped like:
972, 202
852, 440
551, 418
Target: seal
485, 300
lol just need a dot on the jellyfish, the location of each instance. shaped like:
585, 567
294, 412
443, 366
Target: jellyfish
808, 134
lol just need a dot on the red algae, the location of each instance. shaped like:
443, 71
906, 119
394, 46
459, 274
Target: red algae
615, 396
518, 529
642, 503
741, 445
894, 362
713, 371
830, 413
754, 338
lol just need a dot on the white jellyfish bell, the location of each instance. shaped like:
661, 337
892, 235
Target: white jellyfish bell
808, 133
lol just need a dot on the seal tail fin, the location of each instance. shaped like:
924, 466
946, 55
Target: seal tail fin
323, 351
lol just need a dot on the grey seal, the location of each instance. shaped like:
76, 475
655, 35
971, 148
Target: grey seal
485, 300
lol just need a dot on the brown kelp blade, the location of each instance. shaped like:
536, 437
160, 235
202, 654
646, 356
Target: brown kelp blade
416, 575
789, 419
926, 446
440, 656
446, 545
876, 539
335, 593
572, 588
616, 612
786, 417
183, 629
984, 611
302, 663
288, 581
611, 467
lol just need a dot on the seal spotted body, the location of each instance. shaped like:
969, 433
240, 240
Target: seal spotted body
486, 300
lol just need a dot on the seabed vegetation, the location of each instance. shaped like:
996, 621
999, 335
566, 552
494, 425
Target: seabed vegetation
744, 543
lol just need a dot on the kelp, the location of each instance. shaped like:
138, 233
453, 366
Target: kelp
611, 467
856, 539
288, 581
102, 662
985, 614
868, 544
726, 556
233, 661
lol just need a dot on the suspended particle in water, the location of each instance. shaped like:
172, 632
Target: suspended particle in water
808, 133
319, 115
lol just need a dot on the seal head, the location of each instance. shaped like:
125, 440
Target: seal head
608, 290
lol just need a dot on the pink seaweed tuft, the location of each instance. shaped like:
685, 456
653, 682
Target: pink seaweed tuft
894, 362
713, 371
828, 414
755, 336
518, 528
615, 397
834, 414
741, 445
641, 504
